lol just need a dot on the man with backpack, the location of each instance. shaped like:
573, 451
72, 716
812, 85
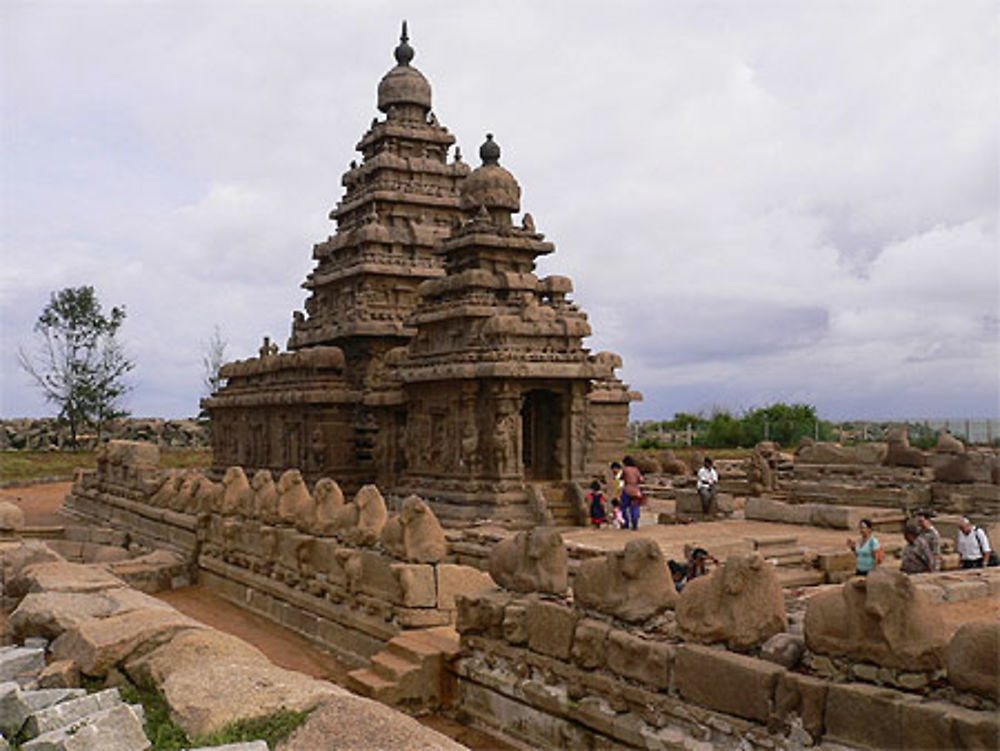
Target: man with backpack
973, 545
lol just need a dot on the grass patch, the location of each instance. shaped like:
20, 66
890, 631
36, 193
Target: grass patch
26, 467
167, 735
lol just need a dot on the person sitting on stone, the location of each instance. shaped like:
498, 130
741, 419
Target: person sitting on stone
632, 480
678, 573
617, 520
867, 550
708, 484
698, 564
973, 545
917, 556
595, 499
929, 532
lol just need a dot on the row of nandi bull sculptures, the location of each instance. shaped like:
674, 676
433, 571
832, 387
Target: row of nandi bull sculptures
883, 619
413, 535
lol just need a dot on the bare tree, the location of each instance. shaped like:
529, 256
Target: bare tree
213, 358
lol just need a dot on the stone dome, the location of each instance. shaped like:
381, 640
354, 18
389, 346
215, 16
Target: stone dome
404, 84
490, 185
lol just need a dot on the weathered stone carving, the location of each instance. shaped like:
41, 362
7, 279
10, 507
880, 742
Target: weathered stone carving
208, 496
825, 452
295, 505
171, 485
760, 470
632, 584
329, 501
237, 496
534, 561
948, 444
265, 497
361, 521
415, 533
881, 618
900, 453
973, 658
739, 603
184, 500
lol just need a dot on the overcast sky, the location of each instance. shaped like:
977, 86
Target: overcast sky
757, 201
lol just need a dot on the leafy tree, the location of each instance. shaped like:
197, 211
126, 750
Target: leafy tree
79, 364
785, 423
726, 431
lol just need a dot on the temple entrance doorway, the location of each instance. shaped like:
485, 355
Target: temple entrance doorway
541, 425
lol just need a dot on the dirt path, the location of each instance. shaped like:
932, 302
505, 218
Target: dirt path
40, 503
283, 647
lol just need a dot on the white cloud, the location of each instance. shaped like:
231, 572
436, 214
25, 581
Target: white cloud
756, 201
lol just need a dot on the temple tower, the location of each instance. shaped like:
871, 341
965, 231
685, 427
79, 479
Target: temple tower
496, 382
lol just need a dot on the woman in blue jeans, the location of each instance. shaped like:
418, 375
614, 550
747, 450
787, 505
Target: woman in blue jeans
631, 492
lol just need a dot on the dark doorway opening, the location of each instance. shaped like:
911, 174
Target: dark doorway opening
541, 425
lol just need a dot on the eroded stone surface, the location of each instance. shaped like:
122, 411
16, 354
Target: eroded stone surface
534, 561
972, 658
633, 584
739, 603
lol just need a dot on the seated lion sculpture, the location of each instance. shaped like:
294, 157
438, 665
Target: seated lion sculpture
632, 584
739, 603
881, 618
534, 561
414, 534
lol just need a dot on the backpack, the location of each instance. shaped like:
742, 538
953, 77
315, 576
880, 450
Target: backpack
994, 561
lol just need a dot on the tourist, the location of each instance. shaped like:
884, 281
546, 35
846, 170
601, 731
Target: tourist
678, 573
617, 520
631, 493
708, 483
917, 555
868, 552
933, 537
973, 545
598, 512
615, 485
698, 563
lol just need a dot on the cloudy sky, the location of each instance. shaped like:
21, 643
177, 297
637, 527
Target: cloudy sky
757, 201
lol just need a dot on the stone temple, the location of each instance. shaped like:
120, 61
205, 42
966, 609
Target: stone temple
430, 359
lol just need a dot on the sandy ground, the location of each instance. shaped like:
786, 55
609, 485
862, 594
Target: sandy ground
40, 503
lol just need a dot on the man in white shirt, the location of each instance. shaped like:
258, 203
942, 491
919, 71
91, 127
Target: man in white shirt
972, 544
708, 483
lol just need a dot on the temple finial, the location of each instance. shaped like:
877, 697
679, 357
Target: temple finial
404, 52
489, 152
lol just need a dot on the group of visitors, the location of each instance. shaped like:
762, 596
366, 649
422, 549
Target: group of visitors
922, 553
625, 489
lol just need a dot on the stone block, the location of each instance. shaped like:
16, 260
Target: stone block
550, 628
804, 696
18, 662
62, 576
515, 622
962, 591
640, 659
69, 712
416, 584
482, 613
17, 705
784, 649
454, 579
59, 674
974, 729
97, 646
925, 725
862, 715
590, 643
973, 658
770, 510
115, 729
841, 560
726, 682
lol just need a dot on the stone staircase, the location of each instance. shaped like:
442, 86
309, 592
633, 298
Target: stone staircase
785, 553
410, 673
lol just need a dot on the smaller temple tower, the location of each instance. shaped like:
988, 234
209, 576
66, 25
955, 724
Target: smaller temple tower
495, 391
